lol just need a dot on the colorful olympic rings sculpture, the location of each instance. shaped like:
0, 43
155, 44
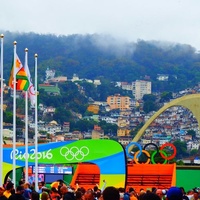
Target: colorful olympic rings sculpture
150, 158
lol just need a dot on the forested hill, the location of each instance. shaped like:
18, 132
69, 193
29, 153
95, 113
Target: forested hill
100, 56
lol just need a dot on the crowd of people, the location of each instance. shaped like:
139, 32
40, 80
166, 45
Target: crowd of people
25, 191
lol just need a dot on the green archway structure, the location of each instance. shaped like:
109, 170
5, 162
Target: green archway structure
192, 102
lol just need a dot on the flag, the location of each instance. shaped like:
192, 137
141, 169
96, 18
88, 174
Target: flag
22, 82
31, 89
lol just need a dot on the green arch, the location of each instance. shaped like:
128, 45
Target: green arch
192, 102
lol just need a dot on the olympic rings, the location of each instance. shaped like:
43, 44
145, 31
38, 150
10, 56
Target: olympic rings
146, 153
160, 150
74, 153
154, 153
131, 144
152, 144
165, 156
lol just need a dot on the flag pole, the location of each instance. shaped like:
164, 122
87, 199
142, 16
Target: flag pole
1, 122
26, 123
36, 127
14, 115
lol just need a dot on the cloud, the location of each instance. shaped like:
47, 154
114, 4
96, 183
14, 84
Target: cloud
172, 20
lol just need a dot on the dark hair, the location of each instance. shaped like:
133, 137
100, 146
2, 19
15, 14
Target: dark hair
9, 186
111, 193
150, 196
78, 194
53, 189
95, 188
131, 189
35, 195
121, 189
19, 188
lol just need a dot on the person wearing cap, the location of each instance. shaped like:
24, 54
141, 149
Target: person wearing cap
18, 195
174, 193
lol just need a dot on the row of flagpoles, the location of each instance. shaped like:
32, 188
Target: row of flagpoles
20, 79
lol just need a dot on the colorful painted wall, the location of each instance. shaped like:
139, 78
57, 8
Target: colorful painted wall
108, 155
188, 177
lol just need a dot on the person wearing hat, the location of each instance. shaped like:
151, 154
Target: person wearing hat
174, 193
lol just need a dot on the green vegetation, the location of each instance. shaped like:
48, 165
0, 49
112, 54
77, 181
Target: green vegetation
87, 57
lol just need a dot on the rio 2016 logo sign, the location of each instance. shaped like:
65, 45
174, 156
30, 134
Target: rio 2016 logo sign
151, 158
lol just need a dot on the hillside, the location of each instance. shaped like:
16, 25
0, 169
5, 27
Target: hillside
97, 56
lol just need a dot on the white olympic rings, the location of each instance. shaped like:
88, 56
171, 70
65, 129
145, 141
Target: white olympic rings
74, 153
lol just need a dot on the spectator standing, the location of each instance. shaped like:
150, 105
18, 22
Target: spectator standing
18, 195
174, 193
45, 196
111, 193
185, 197
54, 195
2, 190
149, 196
9, 187
35, 195
159, 192
132, 194
27, 191
66, 194
89, 195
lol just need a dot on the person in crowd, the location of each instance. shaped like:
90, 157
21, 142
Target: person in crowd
60, 184
32, 186
2, 190
35, 195
9, 189
21, 182
126, 195
190, 194
54, 195
40, 185
149, 196
121, 193
95, 190
133, 194
111, 193
196, 194
18, 195
44, 196
174, 193
159, 192
78, 195
66, 194
89, 195
27, 191
185, 197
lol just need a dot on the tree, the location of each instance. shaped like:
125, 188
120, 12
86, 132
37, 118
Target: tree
181, 148
192, 133
166, 96
193, 152
149, 106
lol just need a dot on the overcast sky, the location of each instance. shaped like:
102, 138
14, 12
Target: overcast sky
163, 20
